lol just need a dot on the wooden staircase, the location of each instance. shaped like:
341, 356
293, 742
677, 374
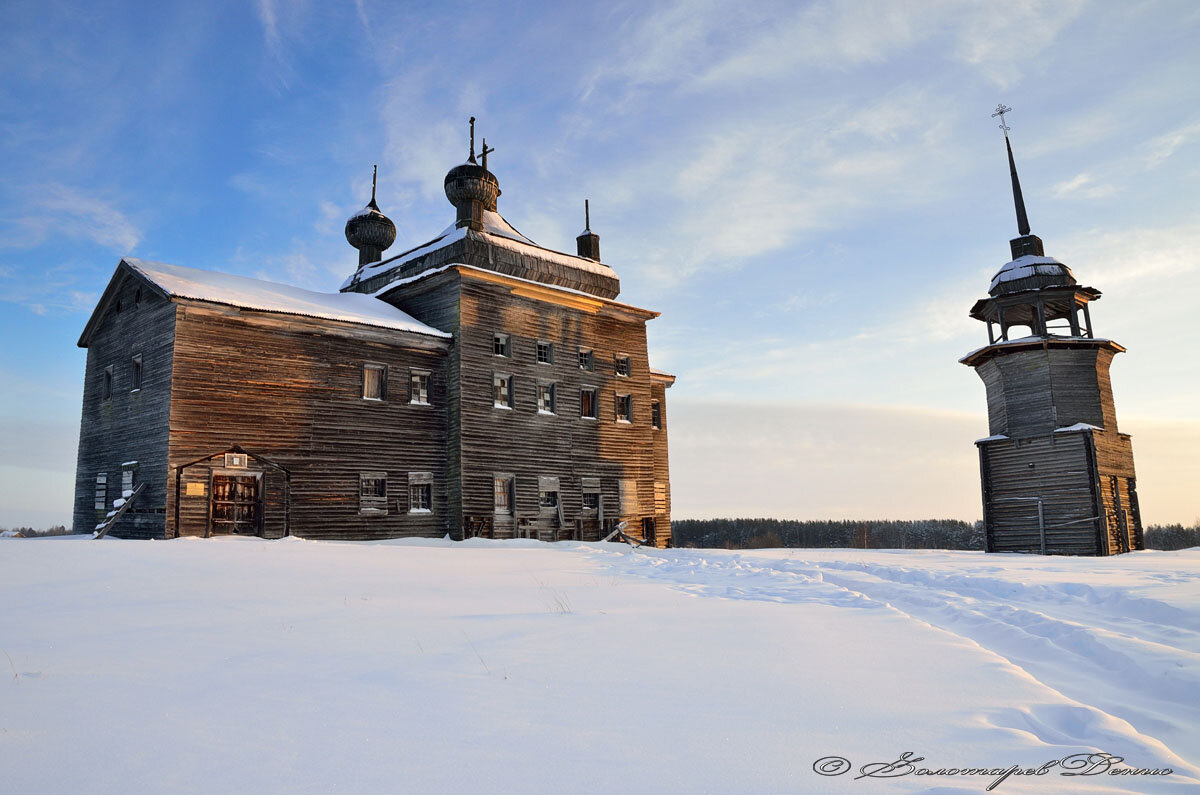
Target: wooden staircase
113, 516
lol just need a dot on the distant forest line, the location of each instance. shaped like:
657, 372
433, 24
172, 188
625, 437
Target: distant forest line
870, 534
842, 533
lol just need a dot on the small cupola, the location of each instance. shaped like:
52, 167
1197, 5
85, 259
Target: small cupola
588, 242
369, 230
471, 188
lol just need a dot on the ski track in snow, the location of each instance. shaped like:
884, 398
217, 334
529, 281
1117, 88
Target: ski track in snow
1130, 663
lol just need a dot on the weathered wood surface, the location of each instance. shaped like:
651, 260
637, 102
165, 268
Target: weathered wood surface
1071, 472
130, 426
291, 389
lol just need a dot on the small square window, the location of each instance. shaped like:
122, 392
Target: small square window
545, 352
374, 382
502, 486
587, 403
655, 414
502, 391
136, 381
500, 344
372, 493
587, 359
546, 398
624, 408
419, 387
420, 492
622, 366
108, 383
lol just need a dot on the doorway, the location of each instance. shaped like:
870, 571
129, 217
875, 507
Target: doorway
236, 504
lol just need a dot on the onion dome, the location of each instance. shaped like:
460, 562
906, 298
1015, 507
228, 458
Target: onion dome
370, 231
471, 188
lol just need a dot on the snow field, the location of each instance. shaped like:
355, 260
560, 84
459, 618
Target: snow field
240, 665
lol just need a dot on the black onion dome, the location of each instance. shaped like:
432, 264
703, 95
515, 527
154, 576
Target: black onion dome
472, 182
370, 228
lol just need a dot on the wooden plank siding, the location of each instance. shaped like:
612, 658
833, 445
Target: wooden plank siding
290, 389
1056, 468
131, 425
1030, 392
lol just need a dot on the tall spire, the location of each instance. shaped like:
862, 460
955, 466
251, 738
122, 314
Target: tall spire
588, 242
471, 158
1018, 199
374, 176
1025, 243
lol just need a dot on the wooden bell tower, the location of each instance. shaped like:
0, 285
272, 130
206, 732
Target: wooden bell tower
1057, 475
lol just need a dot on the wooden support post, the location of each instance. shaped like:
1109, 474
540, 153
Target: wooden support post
1042, 525
178, 481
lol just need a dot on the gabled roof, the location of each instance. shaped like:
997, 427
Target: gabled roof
178, 281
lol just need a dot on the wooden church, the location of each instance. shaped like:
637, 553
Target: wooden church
476, 385
1057, 474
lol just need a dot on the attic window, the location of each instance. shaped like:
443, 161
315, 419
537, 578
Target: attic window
374, 382
136, 384
117, 308
137, 297
108, 382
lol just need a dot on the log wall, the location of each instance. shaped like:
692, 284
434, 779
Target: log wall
290, 389
130, 426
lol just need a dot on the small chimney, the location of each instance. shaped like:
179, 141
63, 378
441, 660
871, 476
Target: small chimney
588, 242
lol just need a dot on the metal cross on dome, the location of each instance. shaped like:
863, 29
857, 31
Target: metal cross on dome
1001, 109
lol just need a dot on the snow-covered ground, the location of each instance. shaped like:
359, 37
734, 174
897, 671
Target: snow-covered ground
237, 665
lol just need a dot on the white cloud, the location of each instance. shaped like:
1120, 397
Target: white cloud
66, 211
1082, 186
1159, 149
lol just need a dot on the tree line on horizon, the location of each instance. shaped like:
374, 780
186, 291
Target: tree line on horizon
870, 534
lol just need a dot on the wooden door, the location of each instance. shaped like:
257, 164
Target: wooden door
236, 507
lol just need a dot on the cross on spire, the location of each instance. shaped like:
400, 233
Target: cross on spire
374, 174
486, 151
1001, 109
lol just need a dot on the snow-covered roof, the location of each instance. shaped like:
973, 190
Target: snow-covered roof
1027, 266
241, 291
1049, 338
1079, 426
496, 231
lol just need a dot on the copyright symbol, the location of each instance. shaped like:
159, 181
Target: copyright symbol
831, 766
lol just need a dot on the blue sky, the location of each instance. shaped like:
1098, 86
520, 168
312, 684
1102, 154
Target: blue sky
813, 194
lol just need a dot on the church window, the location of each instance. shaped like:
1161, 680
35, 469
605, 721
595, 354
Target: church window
591, 495
622, 365
624, 408
419, 387
372, 493
374, 382
587, 360
101, 491
546, 395
500, 344
137, 373
547, 493
545, 352
502, 390
420, 492
587, 403
502, 487
655, 414
108, 382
